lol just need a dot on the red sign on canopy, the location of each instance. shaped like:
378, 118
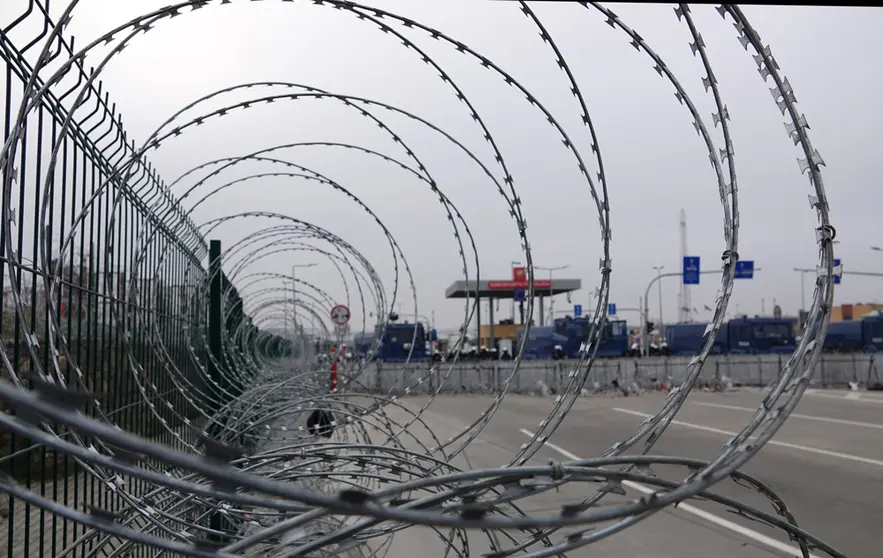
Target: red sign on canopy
519, 274
512, 285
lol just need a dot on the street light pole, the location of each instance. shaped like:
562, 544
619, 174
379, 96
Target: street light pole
659, 269
645, 338
645, 334
513, 298
551, 292
803, 272
294, 300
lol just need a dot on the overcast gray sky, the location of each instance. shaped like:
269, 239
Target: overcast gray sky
655, 162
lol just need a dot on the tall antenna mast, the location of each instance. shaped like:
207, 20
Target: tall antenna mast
685, 312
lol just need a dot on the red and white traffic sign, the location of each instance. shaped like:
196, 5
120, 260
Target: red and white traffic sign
340, 315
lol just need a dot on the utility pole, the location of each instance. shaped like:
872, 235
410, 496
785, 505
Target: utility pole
551, 292
514, 264
645, 340
659, 269
803, 272
684, 303
294, 302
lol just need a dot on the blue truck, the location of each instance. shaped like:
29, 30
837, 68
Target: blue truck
739, 336
614, 340
395, 342
541, 342
685, 339
571, 334
854, 336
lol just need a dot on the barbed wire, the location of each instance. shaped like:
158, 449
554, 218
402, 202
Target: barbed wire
268, 456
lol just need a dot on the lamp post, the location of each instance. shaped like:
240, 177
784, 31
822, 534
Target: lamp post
803, 272
658, 269
294, 296
645, 341
645, 334
513, 298
551, 292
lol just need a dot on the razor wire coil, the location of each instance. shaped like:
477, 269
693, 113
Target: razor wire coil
243, 473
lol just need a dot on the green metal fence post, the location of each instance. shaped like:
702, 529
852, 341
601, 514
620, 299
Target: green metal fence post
215, 321
215, 342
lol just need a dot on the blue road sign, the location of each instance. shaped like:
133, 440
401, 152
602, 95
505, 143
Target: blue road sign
520, 295
836, 273
577, 310
745, 269
691, 270
611, 309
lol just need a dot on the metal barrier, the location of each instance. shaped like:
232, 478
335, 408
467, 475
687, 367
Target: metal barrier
486, 377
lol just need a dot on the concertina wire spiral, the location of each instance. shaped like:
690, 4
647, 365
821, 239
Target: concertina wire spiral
234, 467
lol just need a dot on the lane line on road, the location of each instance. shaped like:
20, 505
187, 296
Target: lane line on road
848, 396
794, 415
819, 451
716, 520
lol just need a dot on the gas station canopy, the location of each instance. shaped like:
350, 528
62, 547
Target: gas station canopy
515, 289
507, 288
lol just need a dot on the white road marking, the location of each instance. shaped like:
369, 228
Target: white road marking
795, 415
829, 453
755, 536
848, 396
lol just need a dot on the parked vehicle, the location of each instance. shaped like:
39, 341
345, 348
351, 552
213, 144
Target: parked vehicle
854, 336
738, 336
685, 339
468, 351
567, 336
614, 341
395, 343
542, 343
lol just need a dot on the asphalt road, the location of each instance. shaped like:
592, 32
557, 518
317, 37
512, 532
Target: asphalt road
826, 464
